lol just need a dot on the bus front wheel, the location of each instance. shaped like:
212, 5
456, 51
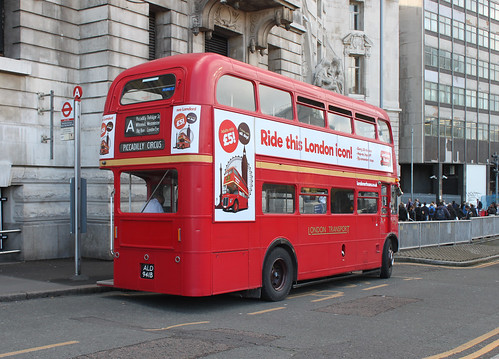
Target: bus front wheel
277, 275
235, 206
387, 260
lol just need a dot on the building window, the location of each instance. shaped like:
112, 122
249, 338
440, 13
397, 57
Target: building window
431, 91
431, 126
152, 35
458, 30
483, 100
459, 3
483, 69
483, 132
217, 44
445, 94
471, 5
470, 98
483, 7
494, 41
445, 26
458, 129
494, 133
494, 72
445, 60
494, 10
483, 38
470, 66
355, 74
470, 34
494, 103
470, 131
431, 56
458, 97
430, 21
356, 16
458, 63
445, 127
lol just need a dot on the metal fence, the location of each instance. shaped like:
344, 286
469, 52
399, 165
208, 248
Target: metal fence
432, 233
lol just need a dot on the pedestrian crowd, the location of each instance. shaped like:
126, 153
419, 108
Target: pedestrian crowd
417, 211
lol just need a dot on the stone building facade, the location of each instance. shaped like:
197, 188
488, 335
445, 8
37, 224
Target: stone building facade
47, 47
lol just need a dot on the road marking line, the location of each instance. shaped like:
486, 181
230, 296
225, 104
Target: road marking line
30, 350
266, 311
332, 296
376, 287
302, 295
176, 326
484, 350
465, 346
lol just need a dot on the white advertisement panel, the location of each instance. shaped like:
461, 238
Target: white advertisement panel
234, 167
238, 138
476, 182
185, 129
288, 141
107, 136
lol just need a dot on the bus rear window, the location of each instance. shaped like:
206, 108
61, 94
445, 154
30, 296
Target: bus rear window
148, 89
149, 191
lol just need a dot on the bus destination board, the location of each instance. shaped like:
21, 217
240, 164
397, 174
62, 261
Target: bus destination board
142, 125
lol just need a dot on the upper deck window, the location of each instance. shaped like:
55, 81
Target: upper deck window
235, 92
365, 129
275, 102
384, 131
148, 89
310, 115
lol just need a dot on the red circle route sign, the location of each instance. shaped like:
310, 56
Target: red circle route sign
77, 92
66, 109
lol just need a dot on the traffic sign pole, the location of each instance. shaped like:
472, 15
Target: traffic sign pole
77, 183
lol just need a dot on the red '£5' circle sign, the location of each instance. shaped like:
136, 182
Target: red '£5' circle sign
228, 136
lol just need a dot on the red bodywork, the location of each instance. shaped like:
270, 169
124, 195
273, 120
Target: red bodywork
192, 255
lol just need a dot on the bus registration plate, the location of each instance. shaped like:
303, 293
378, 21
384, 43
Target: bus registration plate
146, 270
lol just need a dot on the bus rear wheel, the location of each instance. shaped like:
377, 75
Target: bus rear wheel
277, 275
387, 260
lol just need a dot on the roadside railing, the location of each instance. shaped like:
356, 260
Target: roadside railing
434, 233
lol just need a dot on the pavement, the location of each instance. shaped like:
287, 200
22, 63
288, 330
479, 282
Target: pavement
57, 277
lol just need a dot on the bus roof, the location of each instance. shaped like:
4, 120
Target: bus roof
208, 67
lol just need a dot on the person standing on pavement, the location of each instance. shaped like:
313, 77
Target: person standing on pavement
402, 212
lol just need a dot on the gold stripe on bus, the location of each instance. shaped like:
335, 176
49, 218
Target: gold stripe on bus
321, 171
156, 160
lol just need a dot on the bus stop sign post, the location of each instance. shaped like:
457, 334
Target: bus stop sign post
77, 92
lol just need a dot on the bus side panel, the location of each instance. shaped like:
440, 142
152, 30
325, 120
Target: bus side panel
230, 271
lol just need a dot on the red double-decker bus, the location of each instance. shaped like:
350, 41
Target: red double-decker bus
316, 170
236, 191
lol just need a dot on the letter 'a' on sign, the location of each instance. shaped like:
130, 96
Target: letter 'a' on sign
77, 92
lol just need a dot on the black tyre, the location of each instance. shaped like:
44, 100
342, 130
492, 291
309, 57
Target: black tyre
277, 275
235, 206
387, 260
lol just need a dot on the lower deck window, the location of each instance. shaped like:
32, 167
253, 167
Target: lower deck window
313, 200
342, 200
149, 191
367, 202
278, 198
